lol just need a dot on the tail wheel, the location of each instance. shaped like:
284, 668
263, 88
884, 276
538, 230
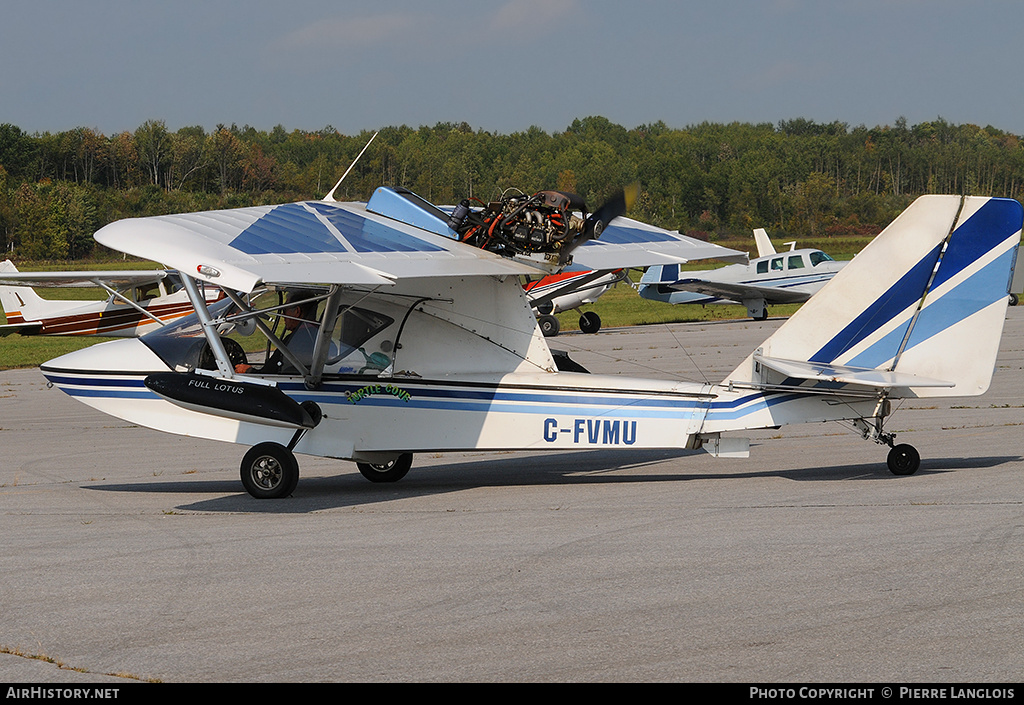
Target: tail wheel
903, 460
391, 471
269, 471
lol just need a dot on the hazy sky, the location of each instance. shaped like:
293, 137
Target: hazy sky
504, 65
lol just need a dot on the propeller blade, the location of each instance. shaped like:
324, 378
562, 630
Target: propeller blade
611, 209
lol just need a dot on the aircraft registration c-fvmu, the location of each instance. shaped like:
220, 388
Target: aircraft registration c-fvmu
139, 302
414, 340
773, 278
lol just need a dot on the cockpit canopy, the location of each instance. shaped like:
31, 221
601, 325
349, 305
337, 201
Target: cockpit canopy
183, 346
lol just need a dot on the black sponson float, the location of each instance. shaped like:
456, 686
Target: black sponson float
243, 401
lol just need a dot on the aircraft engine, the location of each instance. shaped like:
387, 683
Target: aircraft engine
546, 223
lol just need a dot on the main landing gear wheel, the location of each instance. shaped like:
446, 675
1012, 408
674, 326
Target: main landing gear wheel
548, 326
903, 460
590, 322
269, 471
391, 471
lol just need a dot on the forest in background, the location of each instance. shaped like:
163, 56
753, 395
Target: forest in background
798, 178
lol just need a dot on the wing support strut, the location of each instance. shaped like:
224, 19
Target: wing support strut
323, 337
121, 297
209, 326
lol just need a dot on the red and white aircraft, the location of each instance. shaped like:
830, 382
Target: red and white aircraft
568, 291
138, 302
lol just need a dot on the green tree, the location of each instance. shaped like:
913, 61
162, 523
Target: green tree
153, 143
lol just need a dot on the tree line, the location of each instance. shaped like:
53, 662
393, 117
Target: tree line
797, 178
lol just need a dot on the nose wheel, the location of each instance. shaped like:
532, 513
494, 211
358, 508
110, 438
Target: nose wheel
269, 471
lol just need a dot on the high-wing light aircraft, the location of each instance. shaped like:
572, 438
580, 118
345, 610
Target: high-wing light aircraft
569, 291
421, 342
773, 278
572, 289
138, 302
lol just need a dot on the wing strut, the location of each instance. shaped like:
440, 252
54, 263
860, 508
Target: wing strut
323, 338
209, 326
118, 295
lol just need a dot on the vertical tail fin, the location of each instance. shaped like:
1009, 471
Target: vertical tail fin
764, 243
927, 298
16, 300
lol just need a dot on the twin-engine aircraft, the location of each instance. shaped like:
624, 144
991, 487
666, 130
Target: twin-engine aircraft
773, 278
139, 302
404, 338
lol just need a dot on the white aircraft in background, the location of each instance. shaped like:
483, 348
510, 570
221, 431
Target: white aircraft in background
413, 340
773, 278
572, 289
138, 302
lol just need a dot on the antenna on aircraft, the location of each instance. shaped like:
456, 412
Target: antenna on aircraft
330, 196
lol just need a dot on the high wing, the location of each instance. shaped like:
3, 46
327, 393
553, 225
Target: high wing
628, 243
300, 243
85, 279
740, 292
378, 243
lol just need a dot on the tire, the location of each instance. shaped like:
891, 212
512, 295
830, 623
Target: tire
903, 460
1014, 299
590, 322
392, 471
549, 326
269, 471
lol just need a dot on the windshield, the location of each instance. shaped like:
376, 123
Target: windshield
180, 344
819, 257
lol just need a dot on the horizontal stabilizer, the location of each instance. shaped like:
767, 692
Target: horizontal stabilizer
842, 374
22, 328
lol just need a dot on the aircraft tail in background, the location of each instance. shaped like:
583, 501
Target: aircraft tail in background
17, 301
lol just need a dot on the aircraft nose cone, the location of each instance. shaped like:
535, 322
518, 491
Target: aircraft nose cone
127, 355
